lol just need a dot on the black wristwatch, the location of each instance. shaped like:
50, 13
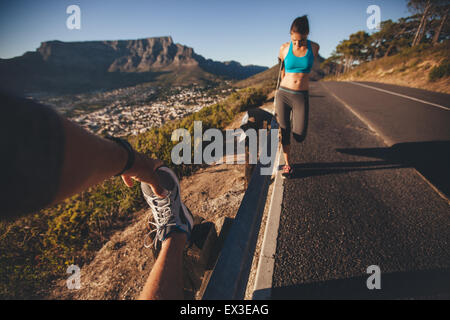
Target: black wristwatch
125, 144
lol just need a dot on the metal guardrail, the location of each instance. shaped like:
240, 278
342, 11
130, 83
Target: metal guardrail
229, 278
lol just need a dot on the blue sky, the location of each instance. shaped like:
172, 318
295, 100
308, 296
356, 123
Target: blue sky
247, 31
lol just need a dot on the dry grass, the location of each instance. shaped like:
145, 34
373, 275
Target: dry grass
410, 68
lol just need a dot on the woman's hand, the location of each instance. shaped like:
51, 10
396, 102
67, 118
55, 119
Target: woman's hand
144, 170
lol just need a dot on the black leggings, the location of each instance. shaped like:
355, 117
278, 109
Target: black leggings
288, 100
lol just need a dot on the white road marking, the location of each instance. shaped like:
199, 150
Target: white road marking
402, 95
262, 288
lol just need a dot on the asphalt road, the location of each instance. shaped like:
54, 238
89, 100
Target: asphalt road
359, 197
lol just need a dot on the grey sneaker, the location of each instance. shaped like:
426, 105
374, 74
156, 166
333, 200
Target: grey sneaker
169, 213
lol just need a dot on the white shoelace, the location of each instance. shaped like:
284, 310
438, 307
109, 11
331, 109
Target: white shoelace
162, 214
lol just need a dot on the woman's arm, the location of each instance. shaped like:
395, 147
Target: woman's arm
281, 56
316, 48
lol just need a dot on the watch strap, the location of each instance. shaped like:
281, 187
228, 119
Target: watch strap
127, 146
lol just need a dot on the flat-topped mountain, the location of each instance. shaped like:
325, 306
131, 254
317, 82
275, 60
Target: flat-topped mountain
58, 66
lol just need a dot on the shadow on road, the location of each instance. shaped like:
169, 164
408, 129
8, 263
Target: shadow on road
431, 159
423, 284
317, 169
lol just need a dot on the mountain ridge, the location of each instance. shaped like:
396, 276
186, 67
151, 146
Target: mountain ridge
82, 65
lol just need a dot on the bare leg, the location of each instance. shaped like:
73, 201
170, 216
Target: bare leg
166, 278
286, 149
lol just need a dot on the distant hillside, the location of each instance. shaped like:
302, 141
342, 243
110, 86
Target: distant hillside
269, 77
58, 66
265, 78
424, 66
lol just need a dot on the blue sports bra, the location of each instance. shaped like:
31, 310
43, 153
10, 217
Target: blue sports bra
294, 64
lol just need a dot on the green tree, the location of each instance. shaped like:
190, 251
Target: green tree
431, 17
331, 64
353, 50
441, 28
392, 38
422, 8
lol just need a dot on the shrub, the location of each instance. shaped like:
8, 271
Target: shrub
441, 71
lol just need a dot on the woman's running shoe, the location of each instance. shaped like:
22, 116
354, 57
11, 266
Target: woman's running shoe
287, 171
169, 213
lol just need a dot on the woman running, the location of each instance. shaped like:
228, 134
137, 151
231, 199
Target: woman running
297, 57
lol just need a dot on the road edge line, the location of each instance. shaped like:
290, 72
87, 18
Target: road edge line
262, 289
369, 124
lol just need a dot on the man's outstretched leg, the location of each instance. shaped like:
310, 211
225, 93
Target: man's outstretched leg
173, 222
166, 278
